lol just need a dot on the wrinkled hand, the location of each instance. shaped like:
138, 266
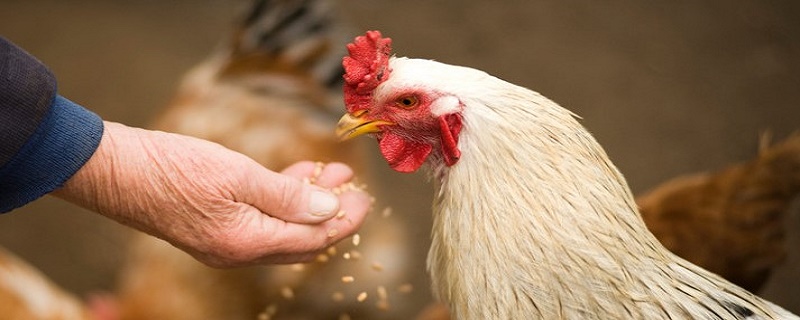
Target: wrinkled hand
220, 206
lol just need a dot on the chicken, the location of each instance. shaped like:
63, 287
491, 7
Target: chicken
274, 94
25, 293
730, 222
531, 218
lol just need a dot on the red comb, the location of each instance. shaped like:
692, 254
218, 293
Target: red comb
365, 68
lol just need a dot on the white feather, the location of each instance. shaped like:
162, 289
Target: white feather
534, 221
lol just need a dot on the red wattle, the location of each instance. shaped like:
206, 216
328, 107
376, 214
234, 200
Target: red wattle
450, 127
403, 155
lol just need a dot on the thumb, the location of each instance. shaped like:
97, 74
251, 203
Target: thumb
290, 199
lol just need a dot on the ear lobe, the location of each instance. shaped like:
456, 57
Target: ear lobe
450, 126
445, 105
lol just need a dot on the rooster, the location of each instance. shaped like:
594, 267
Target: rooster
531, 218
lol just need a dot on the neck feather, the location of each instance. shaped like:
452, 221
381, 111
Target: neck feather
534, 219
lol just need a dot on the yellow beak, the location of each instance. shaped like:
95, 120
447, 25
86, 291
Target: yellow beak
354, 125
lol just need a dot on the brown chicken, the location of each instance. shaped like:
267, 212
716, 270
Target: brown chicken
531, 218
26, 294
730, 222
273, 93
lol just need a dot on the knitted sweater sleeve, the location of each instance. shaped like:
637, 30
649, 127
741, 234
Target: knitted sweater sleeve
44, 138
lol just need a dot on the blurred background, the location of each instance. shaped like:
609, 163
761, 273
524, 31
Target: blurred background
668, 88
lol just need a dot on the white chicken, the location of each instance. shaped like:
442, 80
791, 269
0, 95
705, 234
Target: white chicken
531, 218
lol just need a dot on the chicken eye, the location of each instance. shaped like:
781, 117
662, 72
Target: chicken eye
407, 102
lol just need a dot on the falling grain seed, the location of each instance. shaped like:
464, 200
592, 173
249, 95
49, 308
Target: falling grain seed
356, 239
332, 233
355, 254
382, 305
405, 288
331, 251
337, 296
346, 255
297, 267
348, 279
382, 294
287, 293
268, 312
386, 212
322, 257
361, 297
377, 266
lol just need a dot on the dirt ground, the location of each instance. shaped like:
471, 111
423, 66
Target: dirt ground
667, 87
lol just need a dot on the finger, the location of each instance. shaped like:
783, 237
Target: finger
324, 175
300, 170
260, 238
333, 175
290, 242
288, 198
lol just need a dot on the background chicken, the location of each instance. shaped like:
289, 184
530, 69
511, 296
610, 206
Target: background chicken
556, 234
666, 88
26, 294
732, 222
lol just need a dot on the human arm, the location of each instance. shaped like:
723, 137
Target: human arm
47, 139
218, 205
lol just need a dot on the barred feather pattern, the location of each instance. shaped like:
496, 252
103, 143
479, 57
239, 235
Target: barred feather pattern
535, 221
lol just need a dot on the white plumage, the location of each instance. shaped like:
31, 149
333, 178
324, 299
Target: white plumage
533, 220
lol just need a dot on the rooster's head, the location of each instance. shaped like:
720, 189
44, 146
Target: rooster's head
400, 102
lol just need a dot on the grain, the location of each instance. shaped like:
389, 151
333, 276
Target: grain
337, 296
387, 212
297, 267
362, 296
268, 312
318, 166
356, 239
322, 257
382, 305
348, 279
340, 214
331, 251
287, 293
382, 294
346, 255
377, 266
405, 288
332, 233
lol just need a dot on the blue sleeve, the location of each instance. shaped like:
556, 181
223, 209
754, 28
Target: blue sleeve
45, 138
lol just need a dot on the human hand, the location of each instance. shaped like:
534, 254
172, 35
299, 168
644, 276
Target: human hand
220, 206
